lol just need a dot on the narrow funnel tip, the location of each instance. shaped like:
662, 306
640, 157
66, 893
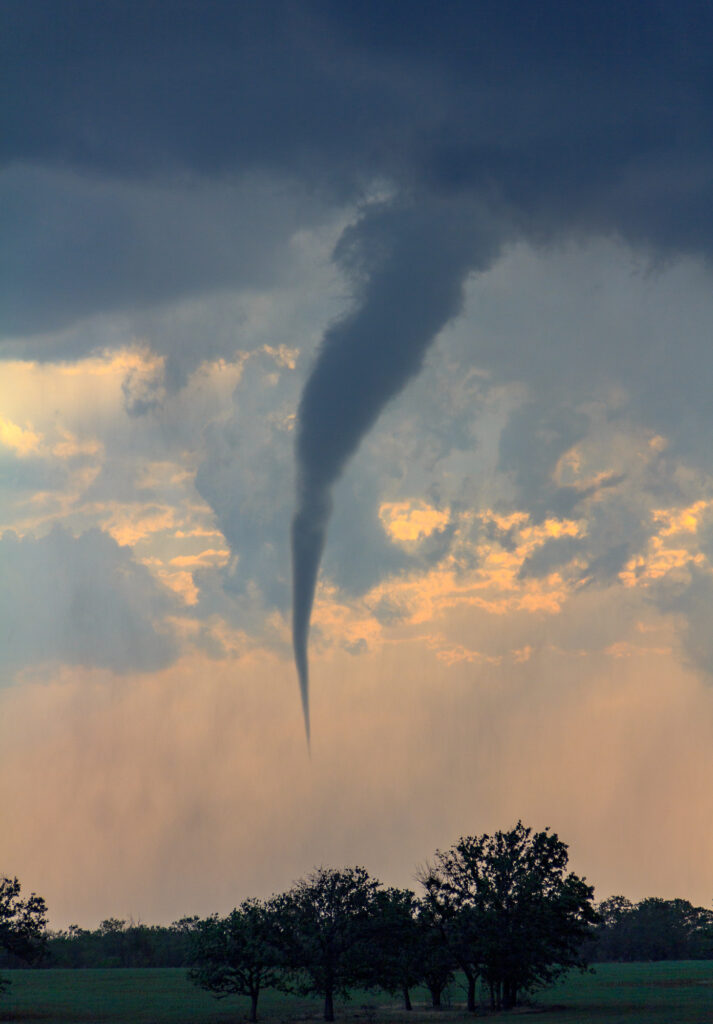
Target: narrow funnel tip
303, 676
305, 713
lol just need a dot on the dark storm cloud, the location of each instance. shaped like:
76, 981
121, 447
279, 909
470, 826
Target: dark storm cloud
452, 95
83, 245
81, 601
139, 89
584, 118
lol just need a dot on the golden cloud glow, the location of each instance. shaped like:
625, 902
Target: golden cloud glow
70, 446
453, 654
22, 440
412, 520
182, 583
25, 441
674, 548
198, 531
114, 363
211, 556
681, 520
283, 356
482, 574
162, 474
342, 624
129, 524
625, 649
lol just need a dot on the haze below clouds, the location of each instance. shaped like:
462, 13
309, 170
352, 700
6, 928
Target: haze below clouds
465, 259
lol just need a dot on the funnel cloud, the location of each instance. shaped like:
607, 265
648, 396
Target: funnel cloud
408, 264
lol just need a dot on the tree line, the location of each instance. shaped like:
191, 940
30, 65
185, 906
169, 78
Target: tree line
653, 929
500, 910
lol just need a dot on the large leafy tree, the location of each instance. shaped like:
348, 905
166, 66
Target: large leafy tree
510, 895
236, 955
325, 925
22, 923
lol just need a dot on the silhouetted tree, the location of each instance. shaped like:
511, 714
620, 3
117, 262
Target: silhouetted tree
392, 960
436, 962
666, 929
509, 893
177, 942
454, 920
236, 955
112, 933
22, 924
654, 929
324, 926
116, 944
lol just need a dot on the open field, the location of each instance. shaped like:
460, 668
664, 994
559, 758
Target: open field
663, 993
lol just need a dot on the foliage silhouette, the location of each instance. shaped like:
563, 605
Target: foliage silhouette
22, 924
325, 924
511, 913
237, 954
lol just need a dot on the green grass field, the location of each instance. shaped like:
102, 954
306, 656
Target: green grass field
665, 993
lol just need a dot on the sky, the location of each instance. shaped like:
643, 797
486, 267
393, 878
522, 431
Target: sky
424, 291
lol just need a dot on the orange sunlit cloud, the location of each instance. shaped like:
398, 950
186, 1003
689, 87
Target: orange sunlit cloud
23, 440
673, 547
412, 520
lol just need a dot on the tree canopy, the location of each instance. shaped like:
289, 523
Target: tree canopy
325, 922
22, 923
653, 929
512, 913
393, 962
237, 954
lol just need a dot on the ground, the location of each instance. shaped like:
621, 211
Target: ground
664, 993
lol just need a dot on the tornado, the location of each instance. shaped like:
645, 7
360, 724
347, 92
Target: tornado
407, 263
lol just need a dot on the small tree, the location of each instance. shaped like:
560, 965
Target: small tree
22, 923
528, 918
324, 926
236, 955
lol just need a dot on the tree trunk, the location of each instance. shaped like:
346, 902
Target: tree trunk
435, 991
329, 1004
471, 993
253, 1006
407, 999
509, 994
